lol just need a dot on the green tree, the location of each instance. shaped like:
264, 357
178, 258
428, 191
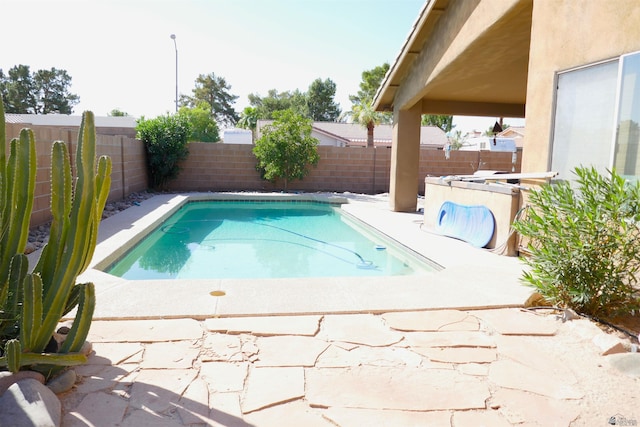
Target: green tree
43, 92
203, 127
53, 94
118, 113
320, 101
443, 122
286, 148
279, 101
3, 85
362, 104
165, 139
371, 81
20, 91
213, 90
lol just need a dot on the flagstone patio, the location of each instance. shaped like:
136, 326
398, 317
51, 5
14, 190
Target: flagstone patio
421, 368
448, 349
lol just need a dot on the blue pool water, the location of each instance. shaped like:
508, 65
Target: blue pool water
264, 239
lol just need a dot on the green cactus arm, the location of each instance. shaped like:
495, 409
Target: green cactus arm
31, 316
14, 358
74, 299
61, 200
13, 295
81, 211
69, 359
12, 352
3, 139
3, 166
25, 168
7, 205
78, 334
103, 184
21, 181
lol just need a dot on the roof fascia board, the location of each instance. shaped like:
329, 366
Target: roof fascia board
429, 12
462, 108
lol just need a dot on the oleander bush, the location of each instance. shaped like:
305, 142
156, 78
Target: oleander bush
584, 243
165, 139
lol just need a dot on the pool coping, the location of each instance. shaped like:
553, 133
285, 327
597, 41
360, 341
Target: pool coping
471, 278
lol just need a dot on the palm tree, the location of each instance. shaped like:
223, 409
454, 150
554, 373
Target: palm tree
249, 120
364, 114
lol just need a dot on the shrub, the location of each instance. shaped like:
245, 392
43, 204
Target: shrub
165, 139
584, 243
286, 148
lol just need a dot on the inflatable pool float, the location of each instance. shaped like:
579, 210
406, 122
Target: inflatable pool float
472, 224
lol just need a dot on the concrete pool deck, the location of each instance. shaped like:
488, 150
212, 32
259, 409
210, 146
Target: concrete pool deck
471, 278
447, 349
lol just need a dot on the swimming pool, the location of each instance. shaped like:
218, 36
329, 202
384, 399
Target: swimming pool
264, 239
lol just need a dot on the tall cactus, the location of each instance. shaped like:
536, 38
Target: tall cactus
32, 304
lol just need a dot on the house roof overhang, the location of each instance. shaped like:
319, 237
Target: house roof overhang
463, 58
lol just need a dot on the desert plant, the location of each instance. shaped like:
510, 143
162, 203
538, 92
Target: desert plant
584, 242
32, 303
165, 139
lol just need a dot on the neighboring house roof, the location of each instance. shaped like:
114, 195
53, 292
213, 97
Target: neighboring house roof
355, 135
353, 132
330, 134
69, 120
105, 125
515, 132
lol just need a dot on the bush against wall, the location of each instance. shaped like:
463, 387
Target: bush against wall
286, 148
585, 243
165, 139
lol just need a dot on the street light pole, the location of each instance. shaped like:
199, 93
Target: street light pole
175, 44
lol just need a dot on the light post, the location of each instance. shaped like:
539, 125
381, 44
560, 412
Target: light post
173, 37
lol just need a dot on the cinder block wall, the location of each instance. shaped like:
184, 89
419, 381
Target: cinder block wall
434, 163
231, 167
127, 157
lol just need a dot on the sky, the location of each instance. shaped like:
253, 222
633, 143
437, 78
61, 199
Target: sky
120, 55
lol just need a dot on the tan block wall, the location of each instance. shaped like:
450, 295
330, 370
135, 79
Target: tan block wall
561, 40
127, 156
231, 167
433, 163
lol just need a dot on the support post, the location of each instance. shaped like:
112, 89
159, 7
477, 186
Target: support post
405, 159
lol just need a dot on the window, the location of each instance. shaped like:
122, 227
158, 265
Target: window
626, 155
597, 117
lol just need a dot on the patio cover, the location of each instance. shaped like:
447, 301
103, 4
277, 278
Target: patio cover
465, 57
